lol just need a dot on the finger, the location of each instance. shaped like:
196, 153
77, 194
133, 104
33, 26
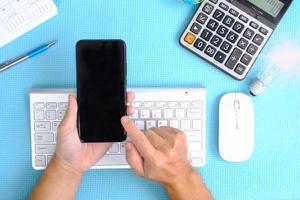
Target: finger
134, 159
157, 141
130, 110
138, 138
130, 96
70, 118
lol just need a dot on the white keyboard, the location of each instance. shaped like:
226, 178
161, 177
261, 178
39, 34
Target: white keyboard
180, 108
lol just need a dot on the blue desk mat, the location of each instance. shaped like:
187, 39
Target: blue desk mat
151, 30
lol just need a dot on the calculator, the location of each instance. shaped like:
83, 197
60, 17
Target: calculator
230, 34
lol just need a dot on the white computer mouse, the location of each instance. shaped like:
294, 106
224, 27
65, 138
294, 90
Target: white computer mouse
236, 127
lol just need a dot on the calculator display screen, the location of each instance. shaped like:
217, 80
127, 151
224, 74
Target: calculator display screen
272, 7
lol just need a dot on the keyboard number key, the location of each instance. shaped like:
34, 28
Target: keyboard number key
150, 124
168, 114
218, 15
189, 38
185, 124
60, 114
232, 37
210, 51
179, 113
140, 124
156, 114
228, 21
212, 25
51, 114
238, 27
174, 123
200, 44
206, 35
162, 123
226, 47
145, 114
216, 41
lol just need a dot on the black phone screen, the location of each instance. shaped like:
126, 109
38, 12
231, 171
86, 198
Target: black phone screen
101, 90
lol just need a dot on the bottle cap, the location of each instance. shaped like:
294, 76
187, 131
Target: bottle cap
257, 87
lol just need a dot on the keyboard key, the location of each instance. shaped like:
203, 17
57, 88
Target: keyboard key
185, 104
50, 114
162, 123
208, 8
161, 104
249, 33
174, 123
150, 124
197, 124
252, 49
214, 1
122, 148
202, 18
49, 157
222, 31
60, 114
210, 51
140, 124
206, 35
263, 30
38, 114
148, 104
63, 105
218, 15
114, 148
194, 146
226, 47
42, 126
168, 114
189, 38
233, 12
44, 138
220, 57
55, 125
197, 104
254, 25
246, 59
228, 21
39, 105
186, 124
240, 69
112, 160
258, 39
200, 44
156, 114
173, 104
45, 148
244, 18
197, 159
194, 113
232, 37
224, 6
51, 105
212, 24
234, 58
179, 113
238, 27
137, 104
145, 114
135, 114
193, 136
196, 28
40, 161
216, 41
243, 43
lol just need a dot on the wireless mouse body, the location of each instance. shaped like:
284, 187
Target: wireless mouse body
236, 127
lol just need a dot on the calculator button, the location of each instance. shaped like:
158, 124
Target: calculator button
233, 12
234, 58
243, 43
218, 15
246, 59
232, 37
189, 38
254, 25
216, 41
220, 57
258, 39
196, 28
240, 69
214, 1
226, 47
200, 44
228, 21
206, 35
222, 31
244, 18
252, 49
208, 8
263, 30
249, 33
238, 27
224, 6
202, 18
210, 51
212, 25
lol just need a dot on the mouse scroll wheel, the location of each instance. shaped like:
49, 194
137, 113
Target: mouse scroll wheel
236, 105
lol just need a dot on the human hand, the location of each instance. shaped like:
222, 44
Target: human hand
70, 152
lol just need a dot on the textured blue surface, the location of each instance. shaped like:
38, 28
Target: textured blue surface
151, 30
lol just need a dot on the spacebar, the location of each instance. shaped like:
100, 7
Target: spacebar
112, 160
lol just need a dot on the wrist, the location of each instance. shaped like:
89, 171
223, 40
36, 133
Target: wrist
65, 168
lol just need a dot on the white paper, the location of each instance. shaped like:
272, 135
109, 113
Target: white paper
20, 16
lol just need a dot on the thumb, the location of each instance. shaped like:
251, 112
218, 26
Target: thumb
70, 119
134, 159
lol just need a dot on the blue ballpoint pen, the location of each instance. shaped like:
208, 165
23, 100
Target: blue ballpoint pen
26, 56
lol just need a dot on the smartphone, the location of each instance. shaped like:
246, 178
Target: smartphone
101, 90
